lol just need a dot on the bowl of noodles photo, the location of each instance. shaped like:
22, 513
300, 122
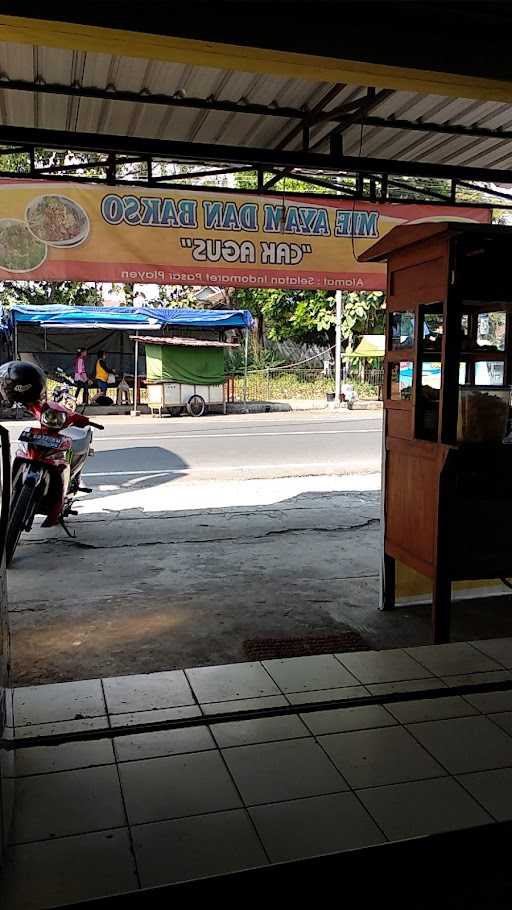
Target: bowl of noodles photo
57, 221
20, 251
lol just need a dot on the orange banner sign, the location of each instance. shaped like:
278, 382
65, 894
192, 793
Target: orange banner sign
89, 232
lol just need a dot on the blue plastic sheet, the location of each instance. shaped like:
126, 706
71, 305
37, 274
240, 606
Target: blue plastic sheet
139, 317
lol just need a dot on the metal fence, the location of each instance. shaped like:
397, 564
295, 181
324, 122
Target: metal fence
281, 384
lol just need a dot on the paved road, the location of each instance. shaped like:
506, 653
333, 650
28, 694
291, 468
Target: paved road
270, 445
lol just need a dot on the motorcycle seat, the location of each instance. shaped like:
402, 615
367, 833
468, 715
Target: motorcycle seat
81, 439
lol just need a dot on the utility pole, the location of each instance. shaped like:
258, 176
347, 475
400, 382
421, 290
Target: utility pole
337, 351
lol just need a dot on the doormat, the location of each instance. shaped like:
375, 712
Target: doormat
306, 645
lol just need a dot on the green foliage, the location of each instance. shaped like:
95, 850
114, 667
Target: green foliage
301, 315
259, 358
362, 314
66, 293
310, 316
284, 385
248, 180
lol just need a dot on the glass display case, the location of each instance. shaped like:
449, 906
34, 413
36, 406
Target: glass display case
448, 396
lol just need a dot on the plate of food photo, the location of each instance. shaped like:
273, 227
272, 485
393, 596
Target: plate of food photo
57, 220
20, 251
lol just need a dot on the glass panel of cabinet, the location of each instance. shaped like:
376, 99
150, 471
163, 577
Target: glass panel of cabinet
402, 331
400, 380
483, 397
430, 346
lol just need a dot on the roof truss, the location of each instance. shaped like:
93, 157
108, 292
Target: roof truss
115, 160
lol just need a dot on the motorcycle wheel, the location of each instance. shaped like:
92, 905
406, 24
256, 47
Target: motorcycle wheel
23, 505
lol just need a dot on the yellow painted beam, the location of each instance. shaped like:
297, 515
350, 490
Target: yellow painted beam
119, 42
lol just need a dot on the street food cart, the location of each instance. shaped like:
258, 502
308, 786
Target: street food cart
447, 395
184, 373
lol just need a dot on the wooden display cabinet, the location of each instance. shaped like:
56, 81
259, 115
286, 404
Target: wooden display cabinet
447, 391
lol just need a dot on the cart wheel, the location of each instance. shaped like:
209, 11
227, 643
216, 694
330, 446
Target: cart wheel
196, 406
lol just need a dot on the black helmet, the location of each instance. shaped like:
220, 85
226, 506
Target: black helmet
21, 382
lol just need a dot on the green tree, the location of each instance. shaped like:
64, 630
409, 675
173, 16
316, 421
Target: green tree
248, 180
363, 314
66, 293
310, 316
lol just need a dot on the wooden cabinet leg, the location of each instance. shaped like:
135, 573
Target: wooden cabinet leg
441, 608
389, 581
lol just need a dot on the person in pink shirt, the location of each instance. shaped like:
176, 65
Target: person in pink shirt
80, 375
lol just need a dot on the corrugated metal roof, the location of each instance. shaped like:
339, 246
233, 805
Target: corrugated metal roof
137, 118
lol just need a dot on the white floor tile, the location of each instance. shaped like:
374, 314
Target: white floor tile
490, 702
162, 742
411, 712
270, 772
340, 720
233, 681
499, 649
465, 744
244, 704
63, 726
422, 807
310, 698
64, 757
504, 720
67, 870
303, 674
370, 758
176, 786
57, 702
135, 718
411, 685
191, 848
259, 730
309, 827
451, 659
382, 666
493, 789
478, 679
147, 692
67, 802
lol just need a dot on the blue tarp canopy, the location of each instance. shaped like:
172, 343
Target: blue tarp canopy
133, 317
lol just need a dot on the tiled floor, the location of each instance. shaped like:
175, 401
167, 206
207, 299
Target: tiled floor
134, 809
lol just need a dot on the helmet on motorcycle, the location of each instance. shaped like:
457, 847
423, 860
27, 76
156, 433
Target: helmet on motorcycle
21, 382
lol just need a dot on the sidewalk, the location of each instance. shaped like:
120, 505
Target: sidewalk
299, 404
170, 576
362, 410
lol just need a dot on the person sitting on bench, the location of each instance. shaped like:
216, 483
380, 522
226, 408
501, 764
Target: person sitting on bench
101, 374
